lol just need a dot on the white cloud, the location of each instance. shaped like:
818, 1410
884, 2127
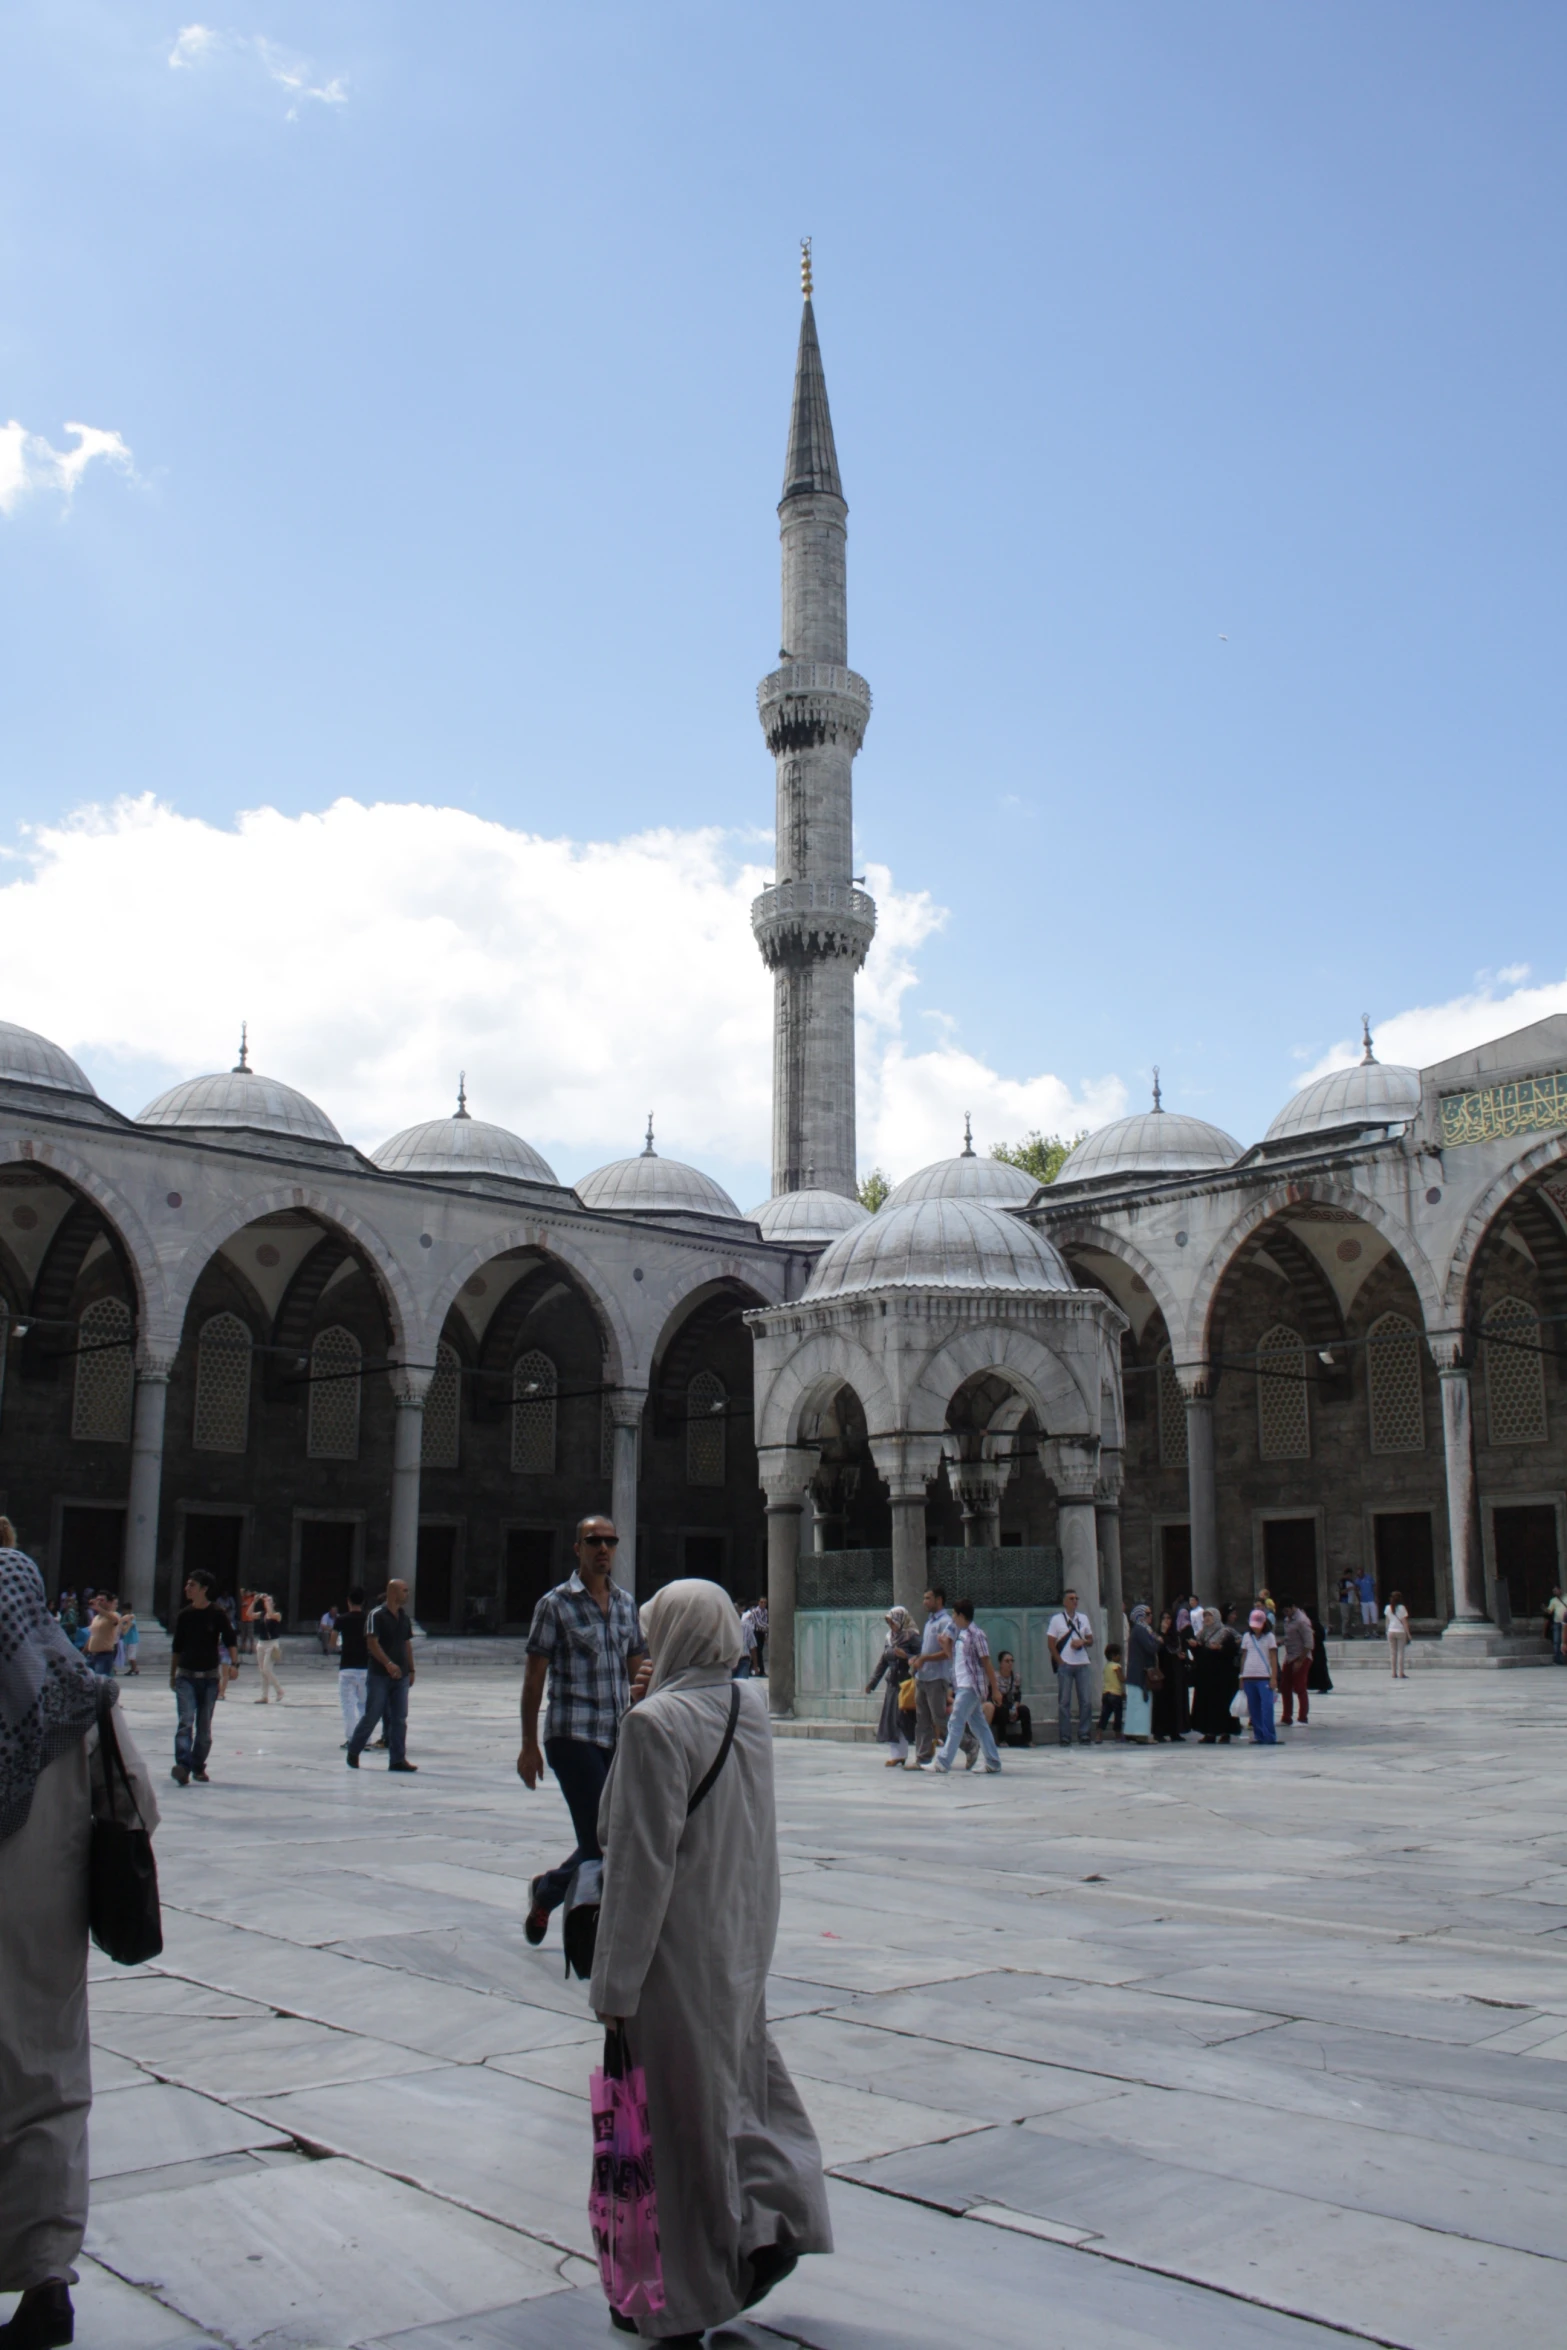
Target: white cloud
377, 950
28, 463
200, 44
1495, 1006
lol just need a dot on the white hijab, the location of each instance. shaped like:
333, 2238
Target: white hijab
692, 1632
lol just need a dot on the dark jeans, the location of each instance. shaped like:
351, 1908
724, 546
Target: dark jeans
102, 1663
582, 1770
1112, 1715
385, 1700
195, 1694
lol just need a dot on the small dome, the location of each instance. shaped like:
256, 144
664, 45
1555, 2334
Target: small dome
939, 1244
1152, 1142
239, 1098
1368, 1094
965, 1177
462, 1145
651, 1186
809, 1216
26, 1059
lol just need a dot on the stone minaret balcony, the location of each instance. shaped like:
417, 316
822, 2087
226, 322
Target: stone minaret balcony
799, 922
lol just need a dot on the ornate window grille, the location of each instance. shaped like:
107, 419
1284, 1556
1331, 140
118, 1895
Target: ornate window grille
443, 1410
1398, 1413
335, 1362
1172, 1415
1283, 1409
222, 1420
533, 1387
706, 1399
105, 1374
1514, 1373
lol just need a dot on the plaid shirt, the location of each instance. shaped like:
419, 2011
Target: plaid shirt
589, 1687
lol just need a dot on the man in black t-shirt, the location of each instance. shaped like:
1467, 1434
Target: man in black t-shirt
200, 1631
353, 1659
389, 1639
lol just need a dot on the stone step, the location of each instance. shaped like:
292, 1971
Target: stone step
1490, 1651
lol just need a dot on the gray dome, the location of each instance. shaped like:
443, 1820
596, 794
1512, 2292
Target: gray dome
1153, 1142
239, 1098
462, 1145
939, 1244
26, 1059
1366, 1095
651, 1186
809, 1216
965, 1177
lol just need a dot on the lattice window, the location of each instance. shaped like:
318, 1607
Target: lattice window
1283, 1415
335, 1362
533, 1386
443, 1410
1172, 1416
707, 1401
222, 1422
1514, 1373
105, 1374
1398, 1413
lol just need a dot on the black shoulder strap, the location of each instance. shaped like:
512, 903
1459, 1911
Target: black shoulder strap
722, 1755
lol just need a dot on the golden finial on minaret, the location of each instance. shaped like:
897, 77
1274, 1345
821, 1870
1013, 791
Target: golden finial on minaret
805, 267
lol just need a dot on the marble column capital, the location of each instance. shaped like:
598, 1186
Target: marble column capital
1450, 1353
1072, 1465
626, 1405
155, 1361
1196, 1381
906, 1463
784, 1472
411, 1384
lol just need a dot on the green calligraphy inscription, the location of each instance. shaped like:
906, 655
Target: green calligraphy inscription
1530, 1105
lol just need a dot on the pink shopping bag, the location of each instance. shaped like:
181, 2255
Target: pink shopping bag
623, 2199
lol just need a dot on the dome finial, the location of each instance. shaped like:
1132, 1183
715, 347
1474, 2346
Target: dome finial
648, 1152
1158, 1098
461, 1110
805, 267
967, 1151
242, 1067
1368, 1059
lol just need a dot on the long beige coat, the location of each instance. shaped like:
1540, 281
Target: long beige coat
686, 1934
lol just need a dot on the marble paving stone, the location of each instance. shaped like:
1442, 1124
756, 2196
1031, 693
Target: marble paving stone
965, 2081
254, 2055
1409, 2018
141, 2129
111, 2315
485, 1958
114, 2072
150, 1991
1512, 2079
336, 2248
508, 2149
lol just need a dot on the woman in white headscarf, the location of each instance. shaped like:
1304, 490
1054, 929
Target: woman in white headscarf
685, 1940
49, 1706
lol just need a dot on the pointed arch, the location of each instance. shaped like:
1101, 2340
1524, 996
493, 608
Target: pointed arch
1193, 1336
337, 1217
127, 1230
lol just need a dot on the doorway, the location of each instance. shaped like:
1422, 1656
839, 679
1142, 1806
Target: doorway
529, 1573
434, 1574
1526, 1557
707, 1557
1405, 1559
214, 1541
326, 1565
92, 1545
1175, 1564
1289, 1561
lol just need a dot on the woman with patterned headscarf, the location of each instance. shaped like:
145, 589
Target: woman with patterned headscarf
49, 1703
685, 1940
903, 1645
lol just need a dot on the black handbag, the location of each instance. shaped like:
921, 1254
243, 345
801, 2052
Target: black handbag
580, 1926
123, 1915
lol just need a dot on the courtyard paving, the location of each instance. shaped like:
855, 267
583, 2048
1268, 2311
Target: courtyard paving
1129, 2047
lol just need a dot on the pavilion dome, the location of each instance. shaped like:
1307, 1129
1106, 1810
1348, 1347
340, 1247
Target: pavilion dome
1369, 1094
462, 1145
939, 1244
238, 1097
650, 1186
965, 1177
809, 1216
1150, 1142
26, 1059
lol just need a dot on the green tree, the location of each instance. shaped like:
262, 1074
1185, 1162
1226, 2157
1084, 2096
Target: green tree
874, 1188
1041, 1155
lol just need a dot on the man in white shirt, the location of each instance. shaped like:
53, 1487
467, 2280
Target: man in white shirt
1071, 1636
975, 1677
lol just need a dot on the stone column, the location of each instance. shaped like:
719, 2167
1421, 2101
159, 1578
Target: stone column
626, 1406
785, 1472
1107, 1511
1463, 1505
409, 1389
139, 1572
1072, 1464
1201, 1483
907, 1465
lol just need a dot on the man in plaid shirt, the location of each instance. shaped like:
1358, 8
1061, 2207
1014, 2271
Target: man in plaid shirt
583, 1637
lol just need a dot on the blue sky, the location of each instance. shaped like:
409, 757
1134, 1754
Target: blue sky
1197, 375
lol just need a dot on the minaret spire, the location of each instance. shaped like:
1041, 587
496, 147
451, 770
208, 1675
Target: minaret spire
813, 926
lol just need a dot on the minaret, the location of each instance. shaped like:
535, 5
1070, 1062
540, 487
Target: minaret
813, 926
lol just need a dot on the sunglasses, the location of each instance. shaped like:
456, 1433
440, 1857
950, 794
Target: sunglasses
600, 1541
